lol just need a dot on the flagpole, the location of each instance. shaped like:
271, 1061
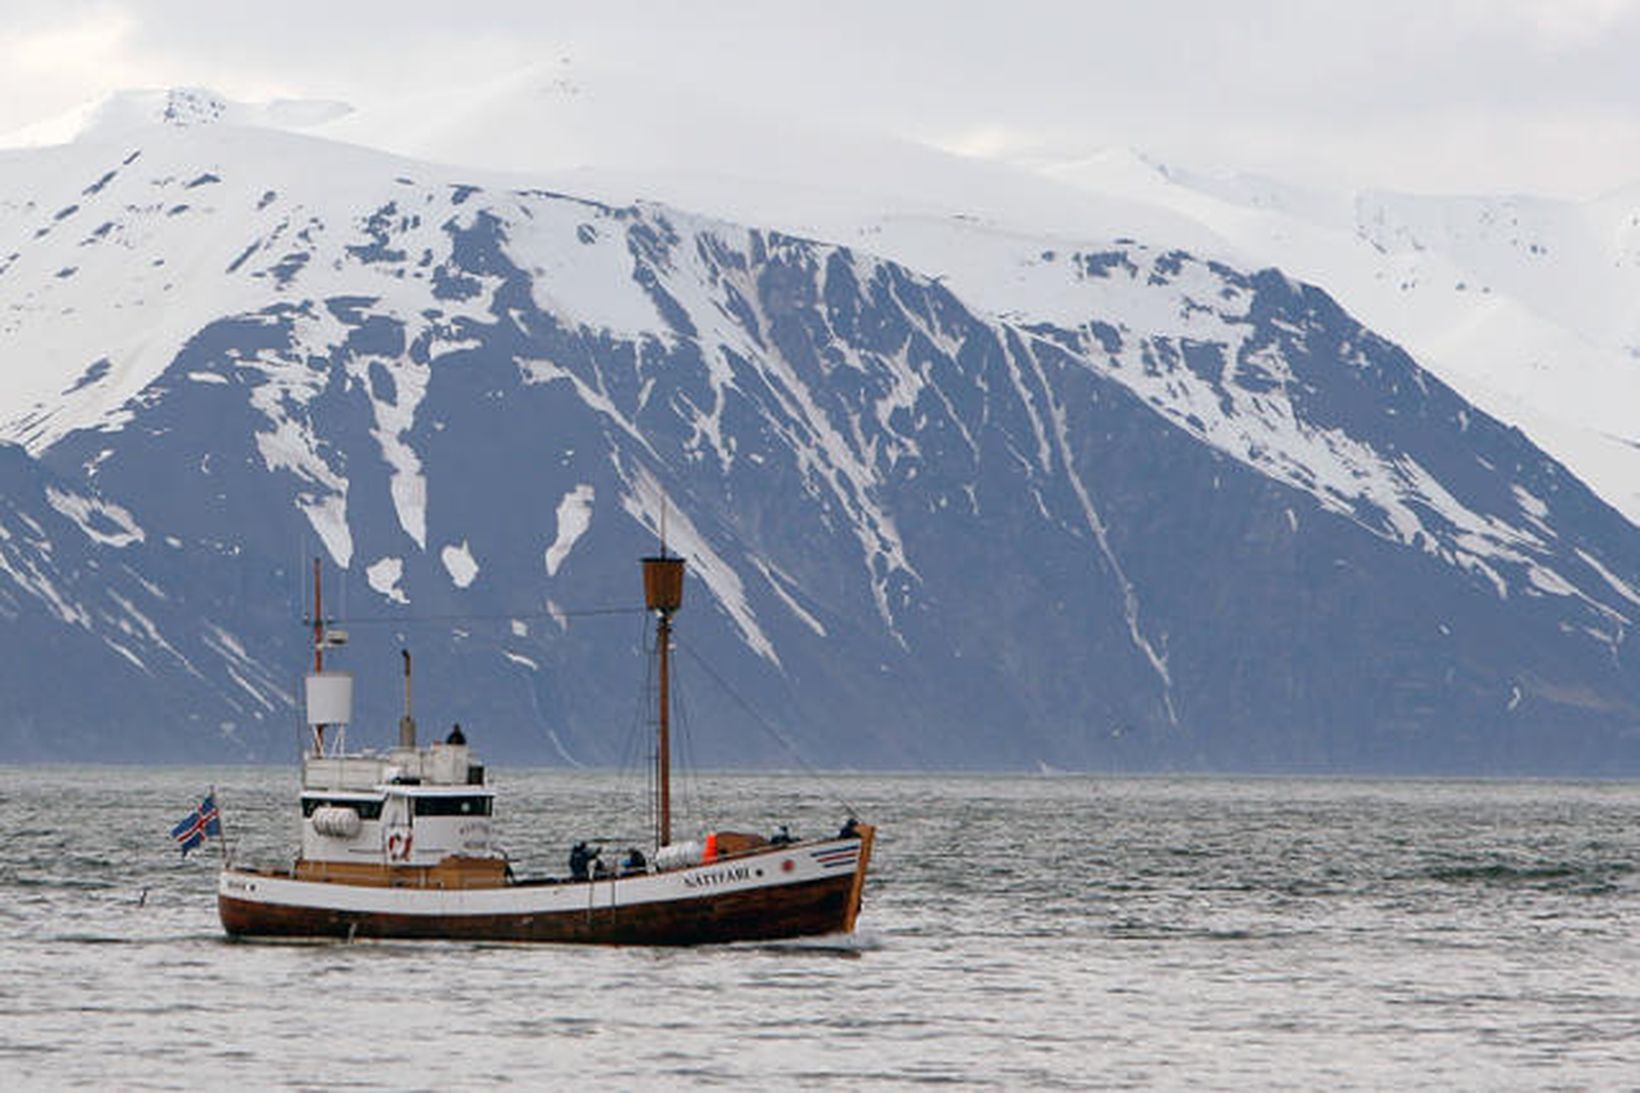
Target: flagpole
221, 828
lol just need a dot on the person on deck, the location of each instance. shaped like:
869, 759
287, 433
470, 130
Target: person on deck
580, 861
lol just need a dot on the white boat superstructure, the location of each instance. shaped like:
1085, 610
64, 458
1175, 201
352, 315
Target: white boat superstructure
410, 806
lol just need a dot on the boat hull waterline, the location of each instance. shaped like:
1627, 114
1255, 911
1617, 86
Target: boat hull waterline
798, 890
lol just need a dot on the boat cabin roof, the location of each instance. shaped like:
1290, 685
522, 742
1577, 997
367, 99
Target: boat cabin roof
432, 770
377, 793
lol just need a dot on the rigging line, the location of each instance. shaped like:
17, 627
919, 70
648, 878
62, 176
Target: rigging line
412, 620
774, 733
635, 775
637, 753
696, 798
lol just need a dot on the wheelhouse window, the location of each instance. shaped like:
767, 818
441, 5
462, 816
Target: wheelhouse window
452, 806
367, 808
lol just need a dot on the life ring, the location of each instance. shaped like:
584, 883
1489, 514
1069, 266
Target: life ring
398, 845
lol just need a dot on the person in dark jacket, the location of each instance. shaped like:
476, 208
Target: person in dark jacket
580, 861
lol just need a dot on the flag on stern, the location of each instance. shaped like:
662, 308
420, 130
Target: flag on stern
202, 821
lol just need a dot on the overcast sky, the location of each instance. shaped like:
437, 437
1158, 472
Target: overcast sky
1434, 95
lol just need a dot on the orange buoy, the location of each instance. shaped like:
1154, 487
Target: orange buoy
711, 847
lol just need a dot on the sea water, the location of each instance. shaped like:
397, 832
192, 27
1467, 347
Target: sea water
1018, 932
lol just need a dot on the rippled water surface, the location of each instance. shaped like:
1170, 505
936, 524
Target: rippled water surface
1018, 932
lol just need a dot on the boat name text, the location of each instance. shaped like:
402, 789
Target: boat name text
716, 877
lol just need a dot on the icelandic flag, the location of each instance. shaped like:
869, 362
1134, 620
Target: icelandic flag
202, 821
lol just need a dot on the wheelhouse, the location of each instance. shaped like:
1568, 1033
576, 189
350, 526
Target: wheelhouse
408, 806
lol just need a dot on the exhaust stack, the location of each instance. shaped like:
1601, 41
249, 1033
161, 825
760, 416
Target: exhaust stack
407, 723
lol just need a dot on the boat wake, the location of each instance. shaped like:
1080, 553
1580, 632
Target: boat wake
852, 945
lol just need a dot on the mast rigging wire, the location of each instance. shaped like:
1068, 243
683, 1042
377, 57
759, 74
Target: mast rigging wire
775, 734
508, 616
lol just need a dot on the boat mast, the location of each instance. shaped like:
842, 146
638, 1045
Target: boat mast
318, 648
663, 594
329, 694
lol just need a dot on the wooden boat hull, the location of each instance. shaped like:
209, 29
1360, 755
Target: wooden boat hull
803, 890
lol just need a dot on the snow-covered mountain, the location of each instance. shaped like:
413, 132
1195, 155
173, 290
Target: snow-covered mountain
1525, 306
1079, 500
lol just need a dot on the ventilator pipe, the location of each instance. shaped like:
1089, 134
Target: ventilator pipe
407, 723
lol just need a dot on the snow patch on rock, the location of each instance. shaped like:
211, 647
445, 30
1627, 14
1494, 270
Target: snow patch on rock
102, 521
574, 517
458, 562
384, 576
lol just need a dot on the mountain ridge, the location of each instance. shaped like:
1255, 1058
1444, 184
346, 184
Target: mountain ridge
911, 522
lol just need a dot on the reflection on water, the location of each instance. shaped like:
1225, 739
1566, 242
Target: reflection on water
1018, 931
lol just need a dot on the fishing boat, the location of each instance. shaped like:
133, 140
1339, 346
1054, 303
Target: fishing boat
401, 843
